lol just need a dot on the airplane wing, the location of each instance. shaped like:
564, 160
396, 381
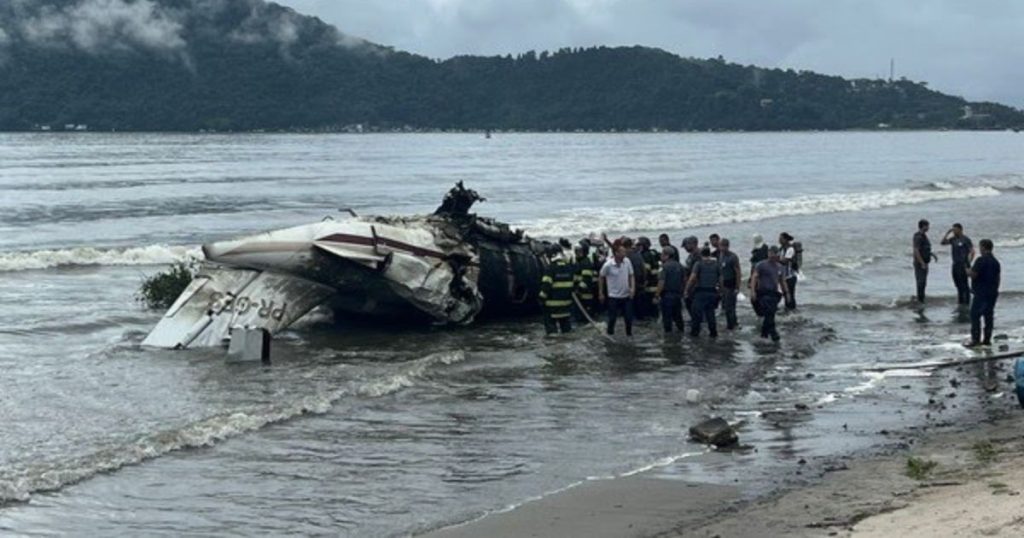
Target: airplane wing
220, 298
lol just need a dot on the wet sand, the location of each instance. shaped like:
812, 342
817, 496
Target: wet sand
973, 490
630, 506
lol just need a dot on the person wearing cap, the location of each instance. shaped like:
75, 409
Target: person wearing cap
962, 252
767, 287
691, 247
652, 264
617, 288
704, 286
556, 289
670, 289
732, 275
586, 282
787, 257
636, 258
760, 251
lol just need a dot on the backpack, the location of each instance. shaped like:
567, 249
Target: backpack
798, 256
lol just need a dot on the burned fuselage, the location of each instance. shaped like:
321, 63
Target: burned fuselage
450, 267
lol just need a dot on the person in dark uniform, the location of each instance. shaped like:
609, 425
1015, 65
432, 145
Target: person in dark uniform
598, 255
652, 265
692, 258
985, 280
732, 275
759, 253
640, 298
556, 295
566, 247
713, 241
670, 289
767, 288
962, 252
586, 283
922, 257
704, 285
664, 241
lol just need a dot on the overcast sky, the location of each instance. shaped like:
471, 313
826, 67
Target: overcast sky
973, 48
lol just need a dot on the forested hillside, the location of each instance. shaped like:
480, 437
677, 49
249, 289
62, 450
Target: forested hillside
186, 65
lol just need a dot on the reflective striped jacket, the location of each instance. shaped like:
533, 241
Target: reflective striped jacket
586, 281
556, 289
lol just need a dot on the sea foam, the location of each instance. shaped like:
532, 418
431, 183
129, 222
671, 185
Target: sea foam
18, 485
583, 221
86, 256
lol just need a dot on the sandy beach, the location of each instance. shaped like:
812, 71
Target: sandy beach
965, 481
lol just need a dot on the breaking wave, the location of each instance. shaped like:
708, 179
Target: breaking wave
578, 222
20, 485
898, 303
1015, 242
846, 264
408, 375
84, 256
1002, 182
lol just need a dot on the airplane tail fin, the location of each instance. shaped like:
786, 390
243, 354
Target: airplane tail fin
220, 298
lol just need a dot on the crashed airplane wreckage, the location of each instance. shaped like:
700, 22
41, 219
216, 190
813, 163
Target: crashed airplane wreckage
446, 268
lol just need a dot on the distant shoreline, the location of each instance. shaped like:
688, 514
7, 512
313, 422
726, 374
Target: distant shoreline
484, 132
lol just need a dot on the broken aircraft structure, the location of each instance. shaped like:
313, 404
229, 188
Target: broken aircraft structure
450, 267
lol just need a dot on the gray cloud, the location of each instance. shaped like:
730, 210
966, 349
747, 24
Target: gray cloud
965, 48
97, 25
260, 26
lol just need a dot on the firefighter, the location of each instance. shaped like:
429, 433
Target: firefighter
586, 283
598, 255
652, 265
556, 295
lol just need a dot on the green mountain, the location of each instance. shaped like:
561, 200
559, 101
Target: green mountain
186, 65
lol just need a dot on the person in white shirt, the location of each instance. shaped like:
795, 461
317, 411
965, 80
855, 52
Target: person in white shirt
618, 287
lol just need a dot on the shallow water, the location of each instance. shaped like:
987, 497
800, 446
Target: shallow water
385, 431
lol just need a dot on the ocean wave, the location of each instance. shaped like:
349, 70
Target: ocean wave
583, 221
1001, 182
846, 264
84, 256
897, 303
19, 485
408, 375
1015, 242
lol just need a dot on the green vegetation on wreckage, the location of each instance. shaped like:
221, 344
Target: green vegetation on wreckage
159, 291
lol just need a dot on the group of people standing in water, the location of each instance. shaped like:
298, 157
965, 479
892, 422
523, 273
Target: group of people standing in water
977, 277
630, 279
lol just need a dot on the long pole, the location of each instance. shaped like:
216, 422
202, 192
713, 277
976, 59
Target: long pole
947, 364
592, 323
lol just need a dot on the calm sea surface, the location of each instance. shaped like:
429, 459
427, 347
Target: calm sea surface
387, 431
